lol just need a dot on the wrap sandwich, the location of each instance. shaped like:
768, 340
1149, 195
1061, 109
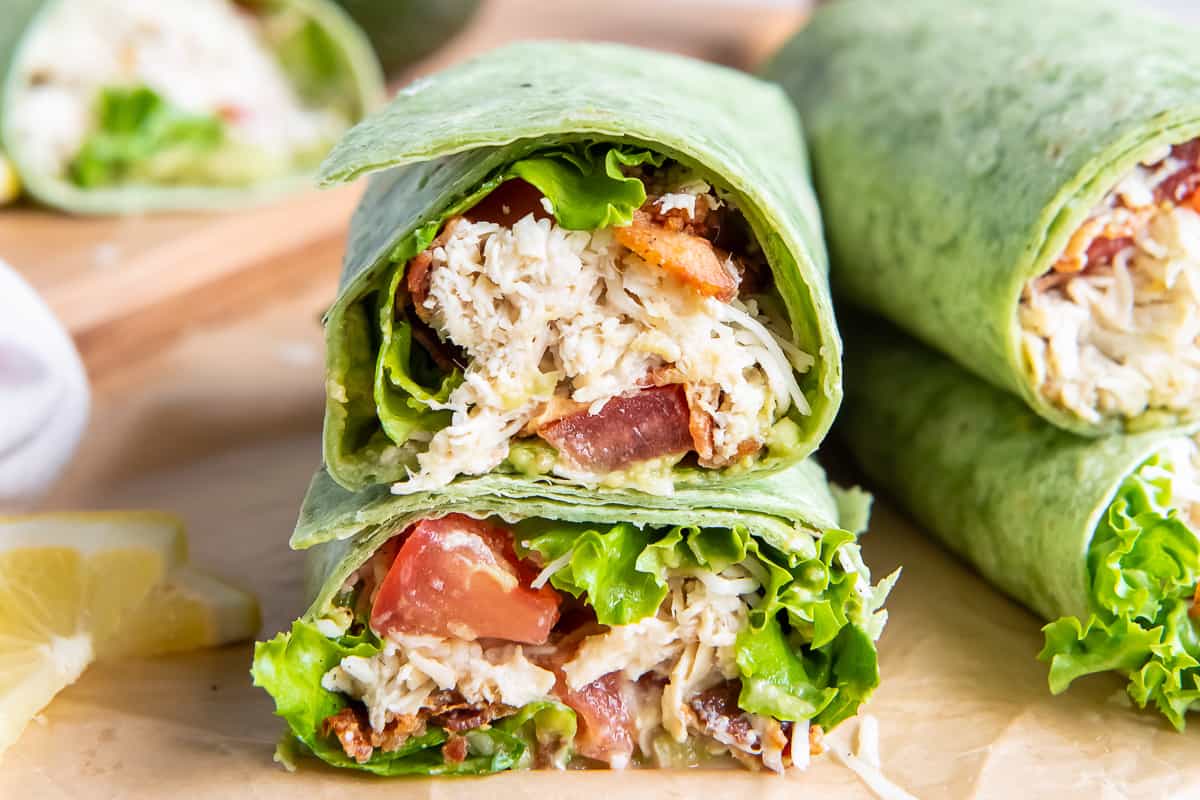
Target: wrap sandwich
583, 264
121, 106
1097, 536
1014, 183
481, 630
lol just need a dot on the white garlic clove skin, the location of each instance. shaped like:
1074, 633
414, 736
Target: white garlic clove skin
44, 397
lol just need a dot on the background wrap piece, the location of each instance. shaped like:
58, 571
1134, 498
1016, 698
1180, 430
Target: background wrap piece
957, 146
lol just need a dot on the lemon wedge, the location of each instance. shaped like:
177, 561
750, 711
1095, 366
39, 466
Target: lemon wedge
10, 182
75, 587
66, 581
191, 610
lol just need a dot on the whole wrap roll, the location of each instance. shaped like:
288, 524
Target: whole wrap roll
332, 53
957, 146
819, 671
1064, 525
448, 139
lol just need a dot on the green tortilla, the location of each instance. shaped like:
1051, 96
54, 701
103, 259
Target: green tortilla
445, 137
342, 528
356, 80
958, 145
1024, 502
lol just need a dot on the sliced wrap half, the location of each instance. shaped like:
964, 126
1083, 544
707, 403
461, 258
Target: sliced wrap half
579, 264
1096, 536
123, 106
1014, 183
476, 632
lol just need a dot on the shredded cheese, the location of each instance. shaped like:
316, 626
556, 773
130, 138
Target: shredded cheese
864, 762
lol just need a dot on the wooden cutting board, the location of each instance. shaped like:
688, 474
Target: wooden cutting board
124, 286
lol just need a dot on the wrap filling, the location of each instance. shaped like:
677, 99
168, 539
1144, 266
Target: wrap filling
596, 313
1144, 573
465, 645
1111, 330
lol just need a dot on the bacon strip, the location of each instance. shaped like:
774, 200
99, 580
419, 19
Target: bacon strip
635, 427
689, 258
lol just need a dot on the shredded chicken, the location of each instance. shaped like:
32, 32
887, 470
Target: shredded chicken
552, 321
1111, 331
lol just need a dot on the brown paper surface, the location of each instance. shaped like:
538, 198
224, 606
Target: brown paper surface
223, 427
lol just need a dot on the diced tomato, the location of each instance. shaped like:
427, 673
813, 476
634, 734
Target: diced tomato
692, 259
602, 708
458, 576
635, 427
606, 729
507, 203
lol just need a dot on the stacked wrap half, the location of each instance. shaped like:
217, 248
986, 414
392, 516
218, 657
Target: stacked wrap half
673, 649
582, 346
572, 124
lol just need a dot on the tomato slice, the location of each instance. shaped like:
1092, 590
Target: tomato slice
606, 730
458, 576
507, 203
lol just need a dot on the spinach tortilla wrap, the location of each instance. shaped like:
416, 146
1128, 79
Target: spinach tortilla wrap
122, 106
1014, 183
563, 272
482, 630
1098, 536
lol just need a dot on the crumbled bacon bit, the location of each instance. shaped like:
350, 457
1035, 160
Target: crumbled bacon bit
446, 709
348, 727
706, 221
358, 740
450, 710
455, 749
